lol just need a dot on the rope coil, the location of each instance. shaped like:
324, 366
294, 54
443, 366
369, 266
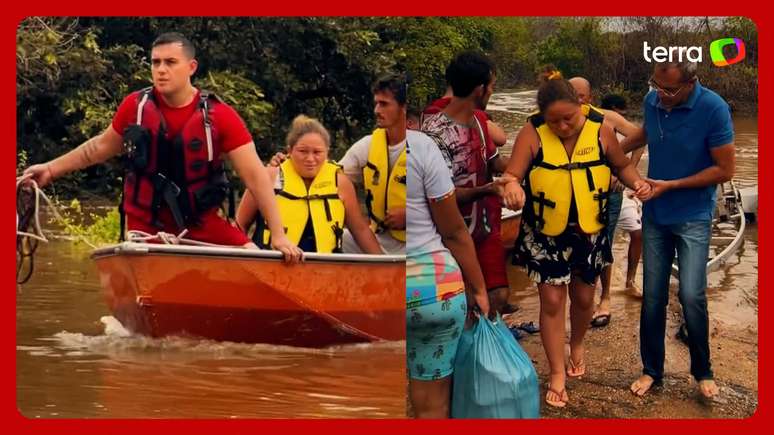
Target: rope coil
29, 232
167, 238
26, 242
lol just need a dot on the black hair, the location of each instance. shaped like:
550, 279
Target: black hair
174, 37
613, 101
555, 88
469, 70
397, 84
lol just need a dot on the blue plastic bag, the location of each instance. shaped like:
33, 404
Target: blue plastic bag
493, 376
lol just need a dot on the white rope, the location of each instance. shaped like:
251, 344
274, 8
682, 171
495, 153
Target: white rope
38, 230
132, 236
168, 238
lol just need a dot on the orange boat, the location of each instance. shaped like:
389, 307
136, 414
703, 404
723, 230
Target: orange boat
251, 296
509, 227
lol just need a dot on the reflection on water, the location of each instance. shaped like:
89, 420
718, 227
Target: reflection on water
75, 360
520, 103
746, 139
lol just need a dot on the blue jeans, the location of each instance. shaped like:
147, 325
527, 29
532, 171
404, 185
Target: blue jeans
660, 242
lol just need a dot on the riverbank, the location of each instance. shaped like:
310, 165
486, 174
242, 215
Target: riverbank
613, 358
502, 102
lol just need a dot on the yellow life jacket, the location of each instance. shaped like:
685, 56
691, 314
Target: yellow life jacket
588, 108
554, 180
385, 189
321, 202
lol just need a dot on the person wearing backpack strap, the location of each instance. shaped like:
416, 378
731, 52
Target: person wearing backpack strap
174, 137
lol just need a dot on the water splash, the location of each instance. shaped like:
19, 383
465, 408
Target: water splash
117, 341
113, 327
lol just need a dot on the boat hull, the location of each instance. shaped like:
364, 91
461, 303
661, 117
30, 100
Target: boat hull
235, 295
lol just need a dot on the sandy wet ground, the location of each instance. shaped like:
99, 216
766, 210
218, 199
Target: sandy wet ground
613, 359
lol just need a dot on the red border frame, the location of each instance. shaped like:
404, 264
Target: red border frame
21, 424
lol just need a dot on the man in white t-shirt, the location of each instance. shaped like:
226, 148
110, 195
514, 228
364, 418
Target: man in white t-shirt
390, 109
441, 263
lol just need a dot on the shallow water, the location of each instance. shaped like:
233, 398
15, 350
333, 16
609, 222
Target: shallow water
74, 360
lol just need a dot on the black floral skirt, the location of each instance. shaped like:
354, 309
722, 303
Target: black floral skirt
555, 260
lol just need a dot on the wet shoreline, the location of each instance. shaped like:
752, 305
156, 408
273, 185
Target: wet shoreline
613, 362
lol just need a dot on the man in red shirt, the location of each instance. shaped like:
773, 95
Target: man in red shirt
176, 137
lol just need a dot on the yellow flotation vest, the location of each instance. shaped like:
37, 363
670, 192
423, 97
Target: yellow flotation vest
321, 202
554, 180
587, 108
385, 189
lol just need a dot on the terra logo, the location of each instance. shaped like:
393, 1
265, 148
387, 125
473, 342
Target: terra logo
695, 54
716, 51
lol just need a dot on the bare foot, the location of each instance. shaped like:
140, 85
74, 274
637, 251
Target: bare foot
634, 289
642, 385
708, 388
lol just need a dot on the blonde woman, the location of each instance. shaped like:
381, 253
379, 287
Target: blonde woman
316, 200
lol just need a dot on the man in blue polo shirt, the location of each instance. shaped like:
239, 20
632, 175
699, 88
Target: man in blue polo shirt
690, 140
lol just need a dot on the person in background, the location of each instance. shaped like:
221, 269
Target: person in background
622, 128
413, 119
459, 125
378, 161
630, 219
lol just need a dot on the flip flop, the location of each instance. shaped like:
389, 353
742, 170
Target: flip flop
561, 403
579, 369
529, 327
515, 332
600, 320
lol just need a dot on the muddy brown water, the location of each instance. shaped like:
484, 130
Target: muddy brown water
76, 361
613, 352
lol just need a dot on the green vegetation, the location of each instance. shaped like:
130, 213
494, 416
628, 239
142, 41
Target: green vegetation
95, 228
73, 73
